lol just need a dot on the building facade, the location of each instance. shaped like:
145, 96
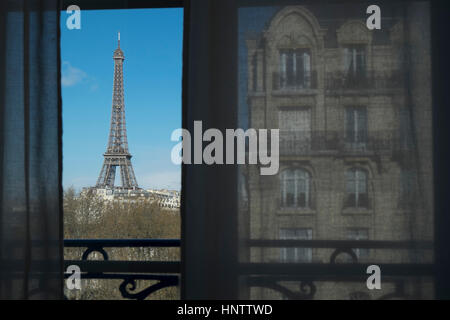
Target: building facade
353, 107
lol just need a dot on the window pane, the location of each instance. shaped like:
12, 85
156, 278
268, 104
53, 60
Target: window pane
361, 117
118, 178
295, 188
361, 181
359, 234
296, 254
351, 181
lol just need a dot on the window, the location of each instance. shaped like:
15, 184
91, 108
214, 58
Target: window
296, 254
356, 127
356, 181
359, 234
295, 129
295, 188
355, 63
295, 68
110, 189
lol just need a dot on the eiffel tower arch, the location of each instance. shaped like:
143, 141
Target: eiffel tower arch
117, 154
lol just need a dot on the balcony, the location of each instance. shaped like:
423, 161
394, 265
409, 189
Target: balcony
341, 264
302, 143
154, 275
281, 84
335, 81
273, 275
373, 80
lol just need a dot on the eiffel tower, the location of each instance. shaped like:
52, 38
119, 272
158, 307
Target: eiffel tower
117, 154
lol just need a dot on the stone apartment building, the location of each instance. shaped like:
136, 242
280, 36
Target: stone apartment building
354, 111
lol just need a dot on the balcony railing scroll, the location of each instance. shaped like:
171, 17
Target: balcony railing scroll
165, 273
270, 275
306, 276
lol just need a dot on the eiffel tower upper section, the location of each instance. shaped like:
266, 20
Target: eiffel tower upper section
117, 154
117, 142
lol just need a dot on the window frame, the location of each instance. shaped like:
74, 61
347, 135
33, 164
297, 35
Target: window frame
357, 194
355, 71
284, 252
440, 129
361, 253
297, 181
298, 81
356, 137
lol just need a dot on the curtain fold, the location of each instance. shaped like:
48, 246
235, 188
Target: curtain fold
31, 265
209, 192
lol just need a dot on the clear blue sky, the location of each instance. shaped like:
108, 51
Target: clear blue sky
152, 44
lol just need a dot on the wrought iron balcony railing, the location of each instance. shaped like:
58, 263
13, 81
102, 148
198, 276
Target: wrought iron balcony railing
282, 83
272, 275
298, 143
393, 79
367, 80
165, 273
307, 276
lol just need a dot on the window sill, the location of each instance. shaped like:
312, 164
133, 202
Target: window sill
357, 211
297, 211
291, 92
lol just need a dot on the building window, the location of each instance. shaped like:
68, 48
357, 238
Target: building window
355, 64
356, 184
356, 127
295, 188
296, 254
295, 68
295, 130
359, 234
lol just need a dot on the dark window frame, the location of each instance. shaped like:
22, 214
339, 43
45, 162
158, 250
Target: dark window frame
441, 131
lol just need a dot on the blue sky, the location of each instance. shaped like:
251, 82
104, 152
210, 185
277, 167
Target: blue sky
151, 40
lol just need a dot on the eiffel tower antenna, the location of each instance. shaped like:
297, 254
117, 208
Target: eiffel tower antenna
117, 154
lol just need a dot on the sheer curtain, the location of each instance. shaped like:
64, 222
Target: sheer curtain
236, 251
31, 265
